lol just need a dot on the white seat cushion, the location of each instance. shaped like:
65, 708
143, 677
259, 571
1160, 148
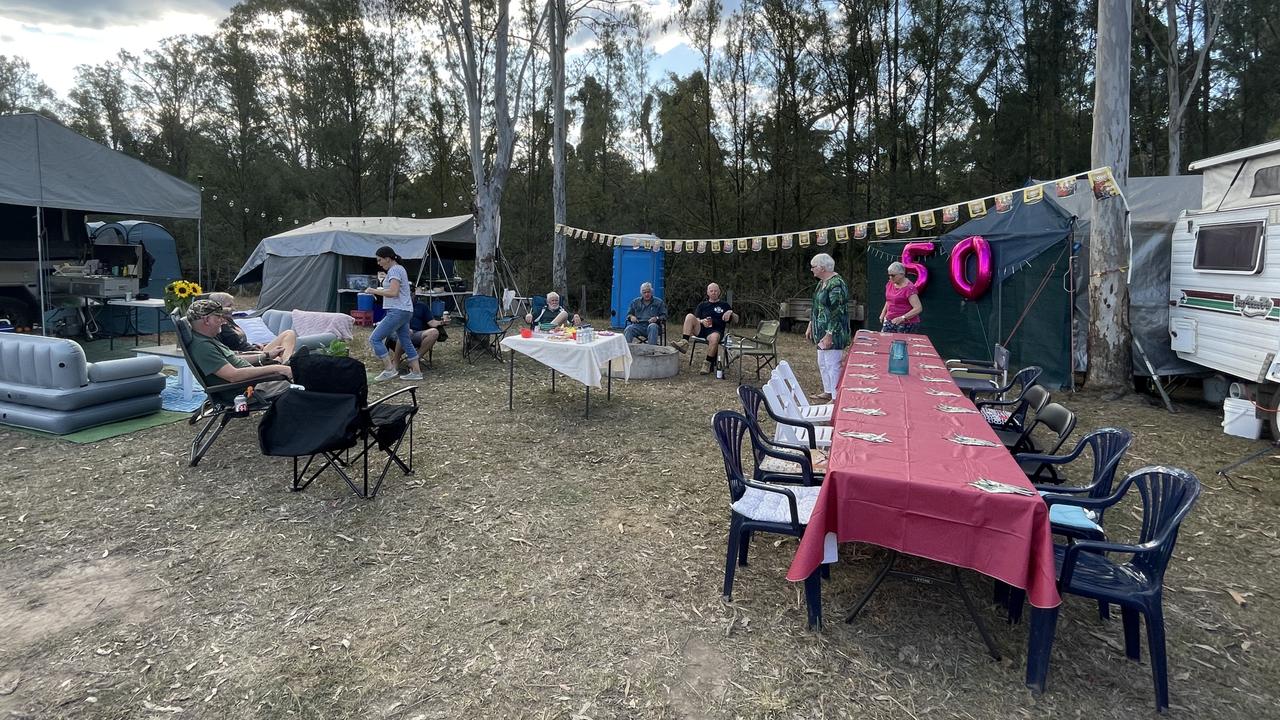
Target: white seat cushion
996, 416
818, 462
256, 330
767, 506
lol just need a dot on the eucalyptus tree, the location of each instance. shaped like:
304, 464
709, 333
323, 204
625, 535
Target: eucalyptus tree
1185, 24
171, 85
1110, 364
22, 90
478, 39
101, 103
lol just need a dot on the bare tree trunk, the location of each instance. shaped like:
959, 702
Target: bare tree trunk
559, 19
1109, 334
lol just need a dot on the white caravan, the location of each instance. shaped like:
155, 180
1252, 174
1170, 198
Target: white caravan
1224, 280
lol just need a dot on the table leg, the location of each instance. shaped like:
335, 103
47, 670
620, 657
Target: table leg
553, 381
609, 393
588, 401
511, 380
1039, 645
136, 330
813, 598
159, 322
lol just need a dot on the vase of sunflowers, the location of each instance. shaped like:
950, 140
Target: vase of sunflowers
179, 294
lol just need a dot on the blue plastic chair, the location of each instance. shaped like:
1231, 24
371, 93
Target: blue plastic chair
757, 505
1167, 495
481, 331
537, 304
1106, 446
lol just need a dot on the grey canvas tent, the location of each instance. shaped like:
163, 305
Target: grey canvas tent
303, 268
1154, 206
51, 177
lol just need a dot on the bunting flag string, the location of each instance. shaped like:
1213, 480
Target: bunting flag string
1101, 182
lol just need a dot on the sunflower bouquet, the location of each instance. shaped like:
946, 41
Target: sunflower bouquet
179, 294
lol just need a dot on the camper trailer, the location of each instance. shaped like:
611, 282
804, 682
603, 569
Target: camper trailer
1224, 280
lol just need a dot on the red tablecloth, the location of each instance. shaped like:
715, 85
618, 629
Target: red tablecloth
913, 494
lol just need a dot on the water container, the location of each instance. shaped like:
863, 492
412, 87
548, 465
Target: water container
1239, 419
364, 301
898, 363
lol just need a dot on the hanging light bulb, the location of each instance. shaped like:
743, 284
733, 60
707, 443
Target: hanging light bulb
429, 211
279, 219
231, 203
445, 204
246, 211
215, 197
413, 215
263, 214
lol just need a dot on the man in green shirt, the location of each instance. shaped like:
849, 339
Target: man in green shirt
217, 364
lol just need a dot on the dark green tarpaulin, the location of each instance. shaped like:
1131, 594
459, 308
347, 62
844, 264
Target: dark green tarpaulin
1031, 247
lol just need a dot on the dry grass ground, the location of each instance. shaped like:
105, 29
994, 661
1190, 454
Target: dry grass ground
545, 566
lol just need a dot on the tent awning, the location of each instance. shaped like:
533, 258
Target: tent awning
47, 165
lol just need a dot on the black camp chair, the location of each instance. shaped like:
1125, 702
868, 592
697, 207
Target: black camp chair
218, 409
331, 426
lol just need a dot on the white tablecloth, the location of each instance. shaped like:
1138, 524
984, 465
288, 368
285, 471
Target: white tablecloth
582, 362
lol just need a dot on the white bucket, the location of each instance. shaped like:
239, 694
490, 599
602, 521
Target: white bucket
1238, 419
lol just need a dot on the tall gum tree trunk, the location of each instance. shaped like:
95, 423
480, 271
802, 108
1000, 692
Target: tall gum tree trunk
559, 17
1110, 338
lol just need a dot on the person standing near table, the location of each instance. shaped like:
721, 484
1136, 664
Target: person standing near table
425, 330
902, 308
828, 323
397, 302
707, 321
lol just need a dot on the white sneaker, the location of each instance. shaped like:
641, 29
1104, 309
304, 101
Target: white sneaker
411, 376
385, 375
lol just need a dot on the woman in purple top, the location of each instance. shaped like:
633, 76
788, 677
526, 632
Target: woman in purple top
901, 311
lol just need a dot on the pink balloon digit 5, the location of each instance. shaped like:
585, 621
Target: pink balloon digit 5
977, 246
909, 255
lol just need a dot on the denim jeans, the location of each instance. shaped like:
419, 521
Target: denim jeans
395, 322
635, 330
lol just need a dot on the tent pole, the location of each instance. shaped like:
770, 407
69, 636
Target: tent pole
40, 265
199, 253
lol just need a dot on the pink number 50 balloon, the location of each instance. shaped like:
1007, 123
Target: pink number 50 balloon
977, 246
909, 255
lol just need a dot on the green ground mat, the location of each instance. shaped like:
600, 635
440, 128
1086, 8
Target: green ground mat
115, 429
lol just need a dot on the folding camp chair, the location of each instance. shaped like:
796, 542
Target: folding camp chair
330, 424
218, 409
484, 327
761, 347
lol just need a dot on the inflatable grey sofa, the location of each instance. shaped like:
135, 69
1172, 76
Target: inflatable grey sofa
46, 384
280, 320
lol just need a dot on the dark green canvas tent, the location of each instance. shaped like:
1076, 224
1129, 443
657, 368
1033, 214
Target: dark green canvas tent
1027, 309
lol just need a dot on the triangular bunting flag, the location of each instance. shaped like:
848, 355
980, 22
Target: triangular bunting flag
1065, 188
1004, 202
882, 227
1103, 183
842, 234
977, 208
743, 244
788, 240
927, 219
1032, 195
950, 214
859, 232
902, 224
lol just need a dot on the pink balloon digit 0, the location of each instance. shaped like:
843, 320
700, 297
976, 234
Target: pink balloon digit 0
909, 255
977, 246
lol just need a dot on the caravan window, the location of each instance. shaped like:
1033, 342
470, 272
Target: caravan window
1266, 182
1229, 248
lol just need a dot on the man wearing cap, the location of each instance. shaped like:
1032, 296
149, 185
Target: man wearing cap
217, 364
279, 349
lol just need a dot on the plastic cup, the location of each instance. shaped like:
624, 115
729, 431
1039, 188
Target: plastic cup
526, 332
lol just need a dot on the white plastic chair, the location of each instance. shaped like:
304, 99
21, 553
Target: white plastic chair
778, 399
808, 411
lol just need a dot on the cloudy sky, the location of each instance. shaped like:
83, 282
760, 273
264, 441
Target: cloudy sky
56, 35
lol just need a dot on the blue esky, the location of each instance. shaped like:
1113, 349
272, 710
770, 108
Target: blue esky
55, 36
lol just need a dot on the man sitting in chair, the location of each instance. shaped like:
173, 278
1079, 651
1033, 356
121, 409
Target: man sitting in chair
553, 314
425, 330
645, 316
217, 363
280, 349
707, 321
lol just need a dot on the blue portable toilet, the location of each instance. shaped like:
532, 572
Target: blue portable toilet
631, 267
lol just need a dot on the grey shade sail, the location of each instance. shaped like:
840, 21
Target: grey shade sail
43, 164
361, 237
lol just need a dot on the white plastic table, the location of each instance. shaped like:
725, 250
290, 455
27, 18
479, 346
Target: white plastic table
584, 362
171, 355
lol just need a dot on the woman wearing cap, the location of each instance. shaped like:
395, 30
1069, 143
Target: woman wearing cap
901, 311
397, 301
828, 323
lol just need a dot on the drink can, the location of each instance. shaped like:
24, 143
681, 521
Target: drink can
719, 373
242, 403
